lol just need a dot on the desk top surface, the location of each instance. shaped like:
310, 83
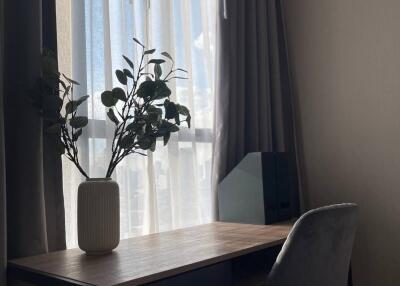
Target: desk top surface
149, 258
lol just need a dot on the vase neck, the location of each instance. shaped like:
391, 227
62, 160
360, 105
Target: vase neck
98, 179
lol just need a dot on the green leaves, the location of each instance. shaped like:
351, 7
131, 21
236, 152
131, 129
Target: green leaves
165, 130
162, 90
72, 105
121, 76
127, 141
119, 93
71, 81
152, 90
188, 118
153, 109
153, 117
112, 116
156, 61
170, 110
108, 99
168, 126
157, 71
146, 143
128, 73
140, 135
128, 61
153, 145
78, 121
136, 127
76, 134
183, 110
146, 89
137, 42
53, 91
82, 99
60, 148
178, 77
165, 54
144, 114
166, 138
148, 52
66, 89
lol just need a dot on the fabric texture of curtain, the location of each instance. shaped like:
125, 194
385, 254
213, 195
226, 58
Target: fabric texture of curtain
34, 205
3, 227
253, 103
171, 187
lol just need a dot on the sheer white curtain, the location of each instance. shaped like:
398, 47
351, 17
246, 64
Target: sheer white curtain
171, 187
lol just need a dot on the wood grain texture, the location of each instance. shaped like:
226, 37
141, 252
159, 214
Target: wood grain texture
149, 258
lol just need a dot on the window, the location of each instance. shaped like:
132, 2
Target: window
171, 187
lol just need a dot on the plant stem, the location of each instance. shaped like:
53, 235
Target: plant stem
73, 157
116, 156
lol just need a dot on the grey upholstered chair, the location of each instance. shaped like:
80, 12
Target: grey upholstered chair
317, 251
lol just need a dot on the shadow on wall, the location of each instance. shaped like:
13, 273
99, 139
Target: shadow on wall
345, 65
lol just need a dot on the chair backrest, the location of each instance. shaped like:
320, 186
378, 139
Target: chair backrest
318, 250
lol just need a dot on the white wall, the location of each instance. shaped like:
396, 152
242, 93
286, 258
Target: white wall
345, 57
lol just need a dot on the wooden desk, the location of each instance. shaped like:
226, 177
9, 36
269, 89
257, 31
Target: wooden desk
151, 258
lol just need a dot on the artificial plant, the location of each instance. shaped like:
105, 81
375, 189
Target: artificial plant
146, 111
141, 111
53, 95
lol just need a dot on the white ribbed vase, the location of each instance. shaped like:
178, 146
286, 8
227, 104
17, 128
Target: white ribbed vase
98, 216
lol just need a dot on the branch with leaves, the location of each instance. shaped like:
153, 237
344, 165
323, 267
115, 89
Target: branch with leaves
142, 111
53, 96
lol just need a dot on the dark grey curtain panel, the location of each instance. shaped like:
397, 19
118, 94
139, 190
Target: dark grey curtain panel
30, 177
3, 229
254, 105
52, 166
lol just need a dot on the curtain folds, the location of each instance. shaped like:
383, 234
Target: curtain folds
253, 106
171, 187
52, 164
34, 207
3, 227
